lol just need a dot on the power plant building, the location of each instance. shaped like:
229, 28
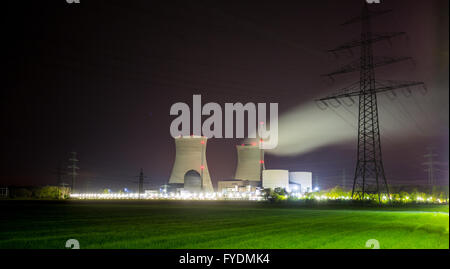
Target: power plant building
272, 179
233, 185
190, 168
302, 179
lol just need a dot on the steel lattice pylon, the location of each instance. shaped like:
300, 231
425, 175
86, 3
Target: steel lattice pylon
369, 173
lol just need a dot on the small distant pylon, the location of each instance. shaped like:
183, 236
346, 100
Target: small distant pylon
73, 169
141, 179
430, 163
141, 183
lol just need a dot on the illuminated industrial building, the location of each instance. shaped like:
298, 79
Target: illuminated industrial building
303, 181
272, 179
233, 185
190, 171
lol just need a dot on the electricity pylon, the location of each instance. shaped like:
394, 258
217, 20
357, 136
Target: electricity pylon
430, 163
369, 172
73, 169
141, 183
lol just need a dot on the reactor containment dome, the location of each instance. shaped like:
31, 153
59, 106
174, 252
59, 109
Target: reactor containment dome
304, 179
272, 179
190, 167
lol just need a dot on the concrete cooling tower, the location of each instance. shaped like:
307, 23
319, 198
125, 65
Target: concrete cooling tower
275, 179
250, 162
190, 168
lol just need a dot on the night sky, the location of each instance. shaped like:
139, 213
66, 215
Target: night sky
99, 78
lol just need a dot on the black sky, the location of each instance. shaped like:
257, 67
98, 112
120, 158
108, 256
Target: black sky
99, 78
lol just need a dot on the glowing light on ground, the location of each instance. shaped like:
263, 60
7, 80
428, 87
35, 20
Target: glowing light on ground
247, 196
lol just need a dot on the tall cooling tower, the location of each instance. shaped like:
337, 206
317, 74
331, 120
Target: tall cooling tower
304, 179
275, 179
250, 162
190, 163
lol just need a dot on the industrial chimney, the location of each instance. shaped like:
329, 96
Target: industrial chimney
250, 162
190, 164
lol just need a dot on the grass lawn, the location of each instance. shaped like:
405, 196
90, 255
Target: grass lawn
235, 225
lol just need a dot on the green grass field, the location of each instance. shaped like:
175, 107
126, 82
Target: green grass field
234, 225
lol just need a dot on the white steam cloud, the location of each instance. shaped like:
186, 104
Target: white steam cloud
308, 128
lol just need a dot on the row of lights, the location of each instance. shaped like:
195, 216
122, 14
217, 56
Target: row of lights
384, 198
252, 196
325, 197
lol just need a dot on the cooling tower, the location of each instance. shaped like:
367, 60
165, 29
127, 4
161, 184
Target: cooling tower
304, 179
275, 179
250, 162
190, 163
